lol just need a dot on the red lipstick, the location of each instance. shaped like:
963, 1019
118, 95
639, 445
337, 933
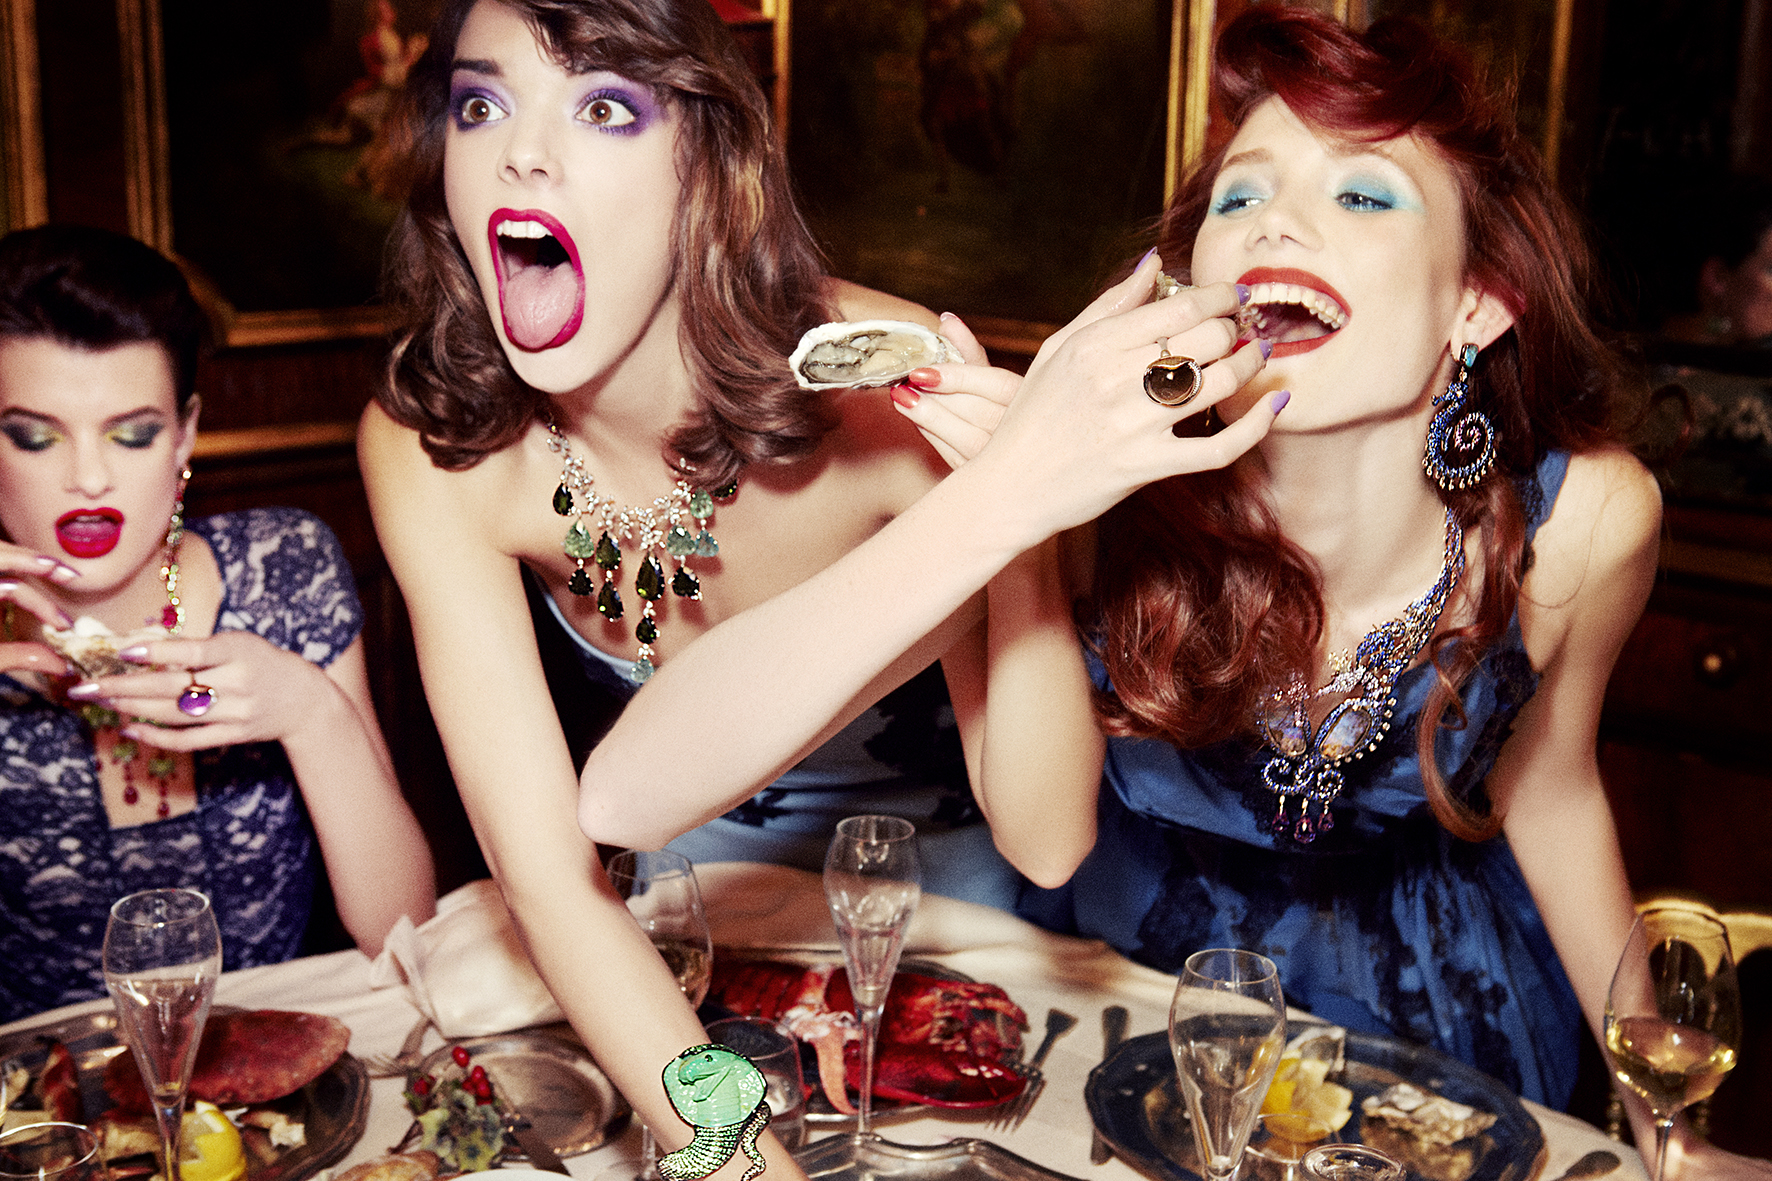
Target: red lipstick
533, 297
1293, 277
89, 533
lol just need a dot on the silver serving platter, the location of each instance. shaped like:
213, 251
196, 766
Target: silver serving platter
1135, 1104
855, 1157
546, 1074
332, 1109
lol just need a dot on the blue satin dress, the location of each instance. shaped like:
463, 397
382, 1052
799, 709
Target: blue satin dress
1386, 924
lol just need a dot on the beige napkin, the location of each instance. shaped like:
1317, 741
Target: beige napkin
465, 968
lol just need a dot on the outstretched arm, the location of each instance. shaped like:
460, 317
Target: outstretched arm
1079, 436
484, 681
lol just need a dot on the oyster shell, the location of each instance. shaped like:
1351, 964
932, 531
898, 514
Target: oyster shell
92, 648
849, 353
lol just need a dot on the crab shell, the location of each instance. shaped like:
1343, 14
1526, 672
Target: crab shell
848, 353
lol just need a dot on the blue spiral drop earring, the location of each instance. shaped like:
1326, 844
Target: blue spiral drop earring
1460, 439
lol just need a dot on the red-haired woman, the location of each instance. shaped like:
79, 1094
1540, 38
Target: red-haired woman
603, 277
1354, 680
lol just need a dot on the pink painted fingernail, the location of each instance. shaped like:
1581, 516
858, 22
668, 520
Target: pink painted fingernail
135, 654
906, 396
1279, 400
84, 691
63, 573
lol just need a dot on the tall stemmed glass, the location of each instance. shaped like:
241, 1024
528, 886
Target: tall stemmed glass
664, 898
1673, 1015
872, 883
1227, 1027
162, 956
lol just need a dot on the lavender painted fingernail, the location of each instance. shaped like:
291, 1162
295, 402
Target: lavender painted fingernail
84, 691
1242, 295
1146, 257
1279, 400
135, 654
1266, 346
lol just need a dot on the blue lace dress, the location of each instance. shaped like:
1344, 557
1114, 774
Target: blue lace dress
1386, 924
902, 757
248, 844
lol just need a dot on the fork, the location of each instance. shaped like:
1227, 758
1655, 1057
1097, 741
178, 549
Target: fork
389, 1065
1058, 1023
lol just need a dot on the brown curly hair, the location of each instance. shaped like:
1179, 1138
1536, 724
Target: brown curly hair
1201, 605
747, 270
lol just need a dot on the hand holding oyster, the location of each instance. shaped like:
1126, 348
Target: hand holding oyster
92, 649
849, 353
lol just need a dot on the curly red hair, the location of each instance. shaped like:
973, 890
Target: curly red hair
1201, 605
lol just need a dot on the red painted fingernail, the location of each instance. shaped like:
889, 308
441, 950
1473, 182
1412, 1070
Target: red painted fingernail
906, 396
924, 379
1279, 400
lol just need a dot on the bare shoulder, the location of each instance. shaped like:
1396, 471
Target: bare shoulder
1594, 559
402, 479
1607, 515
855, 302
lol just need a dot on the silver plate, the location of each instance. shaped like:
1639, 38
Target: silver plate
549, 1077
864, 1158
332, 1109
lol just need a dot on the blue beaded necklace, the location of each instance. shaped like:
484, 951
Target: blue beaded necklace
1307, 761
664, 526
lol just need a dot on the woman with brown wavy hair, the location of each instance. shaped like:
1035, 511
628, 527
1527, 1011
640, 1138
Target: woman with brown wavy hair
1354, 679
602, 277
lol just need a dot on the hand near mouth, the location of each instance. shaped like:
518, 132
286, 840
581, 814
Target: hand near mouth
19, 571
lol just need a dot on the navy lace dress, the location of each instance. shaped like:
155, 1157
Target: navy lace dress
1386, 924
248, 844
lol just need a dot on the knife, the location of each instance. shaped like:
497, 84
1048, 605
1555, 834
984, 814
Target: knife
1113, 1032
530, 1142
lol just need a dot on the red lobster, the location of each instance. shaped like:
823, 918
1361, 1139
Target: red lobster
945, 1042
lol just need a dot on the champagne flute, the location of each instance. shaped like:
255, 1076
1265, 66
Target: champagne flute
1673, 1014
871, 883
1227, 1027
162, 955
662, 894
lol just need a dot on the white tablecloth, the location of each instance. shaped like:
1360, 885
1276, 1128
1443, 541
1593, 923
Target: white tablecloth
771, 907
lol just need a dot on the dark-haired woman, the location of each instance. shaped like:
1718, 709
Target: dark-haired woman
605, 277
245, 749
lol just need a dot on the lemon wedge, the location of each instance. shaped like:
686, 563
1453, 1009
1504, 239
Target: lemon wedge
209, 1145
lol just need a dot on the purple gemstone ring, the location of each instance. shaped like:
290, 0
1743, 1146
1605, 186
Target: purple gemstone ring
195, 701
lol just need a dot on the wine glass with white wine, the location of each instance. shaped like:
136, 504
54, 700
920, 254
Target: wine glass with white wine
1227, 1027
162, 956
872, 883
662, 894
1673, 1015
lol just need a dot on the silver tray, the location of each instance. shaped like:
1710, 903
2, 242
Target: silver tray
333, 1109
1135, 1104
548, 1076
855, 1157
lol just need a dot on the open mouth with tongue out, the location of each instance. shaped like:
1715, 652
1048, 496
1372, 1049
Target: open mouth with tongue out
89, 533
1293, 308
541, 286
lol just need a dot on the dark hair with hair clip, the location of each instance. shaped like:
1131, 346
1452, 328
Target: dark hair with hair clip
94, 289
1201, 605
746, 268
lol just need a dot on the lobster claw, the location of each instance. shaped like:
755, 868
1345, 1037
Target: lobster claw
924, 1074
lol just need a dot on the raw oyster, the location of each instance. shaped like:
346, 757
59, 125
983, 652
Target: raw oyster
866, 353
92, 648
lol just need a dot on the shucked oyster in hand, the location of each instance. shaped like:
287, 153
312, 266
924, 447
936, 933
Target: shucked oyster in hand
866, 353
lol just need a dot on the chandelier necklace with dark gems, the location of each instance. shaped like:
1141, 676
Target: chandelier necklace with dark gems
675, 525
1305, 772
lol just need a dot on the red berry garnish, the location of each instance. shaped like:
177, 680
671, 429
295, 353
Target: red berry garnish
478, 1074
421, 1086
460, 1054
